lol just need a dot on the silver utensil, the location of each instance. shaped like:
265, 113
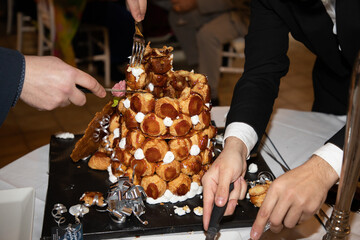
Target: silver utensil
138, 48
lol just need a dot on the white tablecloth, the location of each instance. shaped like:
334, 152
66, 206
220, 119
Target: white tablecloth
295, 134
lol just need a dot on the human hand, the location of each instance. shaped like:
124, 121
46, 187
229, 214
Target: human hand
182, 6
50, 83
137, 9
229, 167
295, 196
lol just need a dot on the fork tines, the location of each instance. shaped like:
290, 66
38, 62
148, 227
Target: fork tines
138, 48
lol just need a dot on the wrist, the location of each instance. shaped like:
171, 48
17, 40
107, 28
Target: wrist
237, 145
325, 172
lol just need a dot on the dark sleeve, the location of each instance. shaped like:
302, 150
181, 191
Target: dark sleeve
12, 72
266, 62
339, 138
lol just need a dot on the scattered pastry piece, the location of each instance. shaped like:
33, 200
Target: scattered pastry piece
93, 198
198, 211
258, 193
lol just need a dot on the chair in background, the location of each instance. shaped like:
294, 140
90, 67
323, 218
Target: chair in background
24, 24
46, 27
96, 36
234, 52
10, 10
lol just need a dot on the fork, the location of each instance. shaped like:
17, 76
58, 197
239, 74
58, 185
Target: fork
138, 47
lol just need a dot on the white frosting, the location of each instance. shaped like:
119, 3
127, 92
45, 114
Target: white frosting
167, 121
126, 103
207, 104
116, 132
86, 158
65, 135
136, 72
169, 157
247, 196
168, 196
182, 210
151, 87
195, 119
198, 211
139, 154
253, 168
112, 177
195, 150
122, 143
139, 117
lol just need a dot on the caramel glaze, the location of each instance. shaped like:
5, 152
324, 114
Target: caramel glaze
150, 125
159, 80
152, 191
160, 65
168, 110
196, 104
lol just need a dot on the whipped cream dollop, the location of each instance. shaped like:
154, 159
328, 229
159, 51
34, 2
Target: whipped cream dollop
136, 72
112, 177
169, 157
116, 132
207, 105
126, 103
151, 87
182, 210
195, 119
253, 168
168, 196
122, 143
65, 135
194, 150
139, 117
139, 154
168, 122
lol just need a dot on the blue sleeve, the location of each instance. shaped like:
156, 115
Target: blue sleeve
12, 74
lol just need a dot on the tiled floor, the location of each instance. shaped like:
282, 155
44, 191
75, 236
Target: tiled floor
26, 128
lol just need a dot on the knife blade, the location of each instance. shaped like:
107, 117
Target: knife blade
216, 216
85, 90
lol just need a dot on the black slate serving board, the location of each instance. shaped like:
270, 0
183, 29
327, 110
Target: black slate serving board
69, 180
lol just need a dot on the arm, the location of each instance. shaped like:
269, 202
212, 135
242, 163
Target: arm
229, 167
295, 196
12, 69
51, 83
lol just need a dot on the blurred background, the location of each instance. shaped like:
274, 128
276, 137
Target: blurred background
89, 27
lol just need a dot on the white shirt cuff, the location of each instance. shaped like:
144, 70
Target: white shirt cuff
244, 132
333, 155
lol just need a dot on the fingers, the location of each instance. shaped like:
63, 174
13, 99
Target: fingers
137, 9
209, 188
263, 216
243, 188
233, 198
85, 80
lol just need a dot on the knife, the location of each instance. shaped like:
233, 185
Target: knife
85, 90
216, 216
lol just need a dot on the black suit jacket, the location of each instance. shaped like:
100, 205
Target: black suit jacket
266, 46
12, 70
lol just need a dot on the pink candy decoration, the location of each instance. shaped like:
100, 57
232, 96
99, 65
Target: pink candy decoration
119, 86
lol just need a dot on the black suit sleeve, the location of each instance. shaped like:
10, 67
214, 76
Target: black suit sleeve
12, 73
266, 62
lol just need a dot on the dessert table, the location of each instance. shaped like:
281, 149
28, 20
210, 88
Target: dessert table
295, 134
